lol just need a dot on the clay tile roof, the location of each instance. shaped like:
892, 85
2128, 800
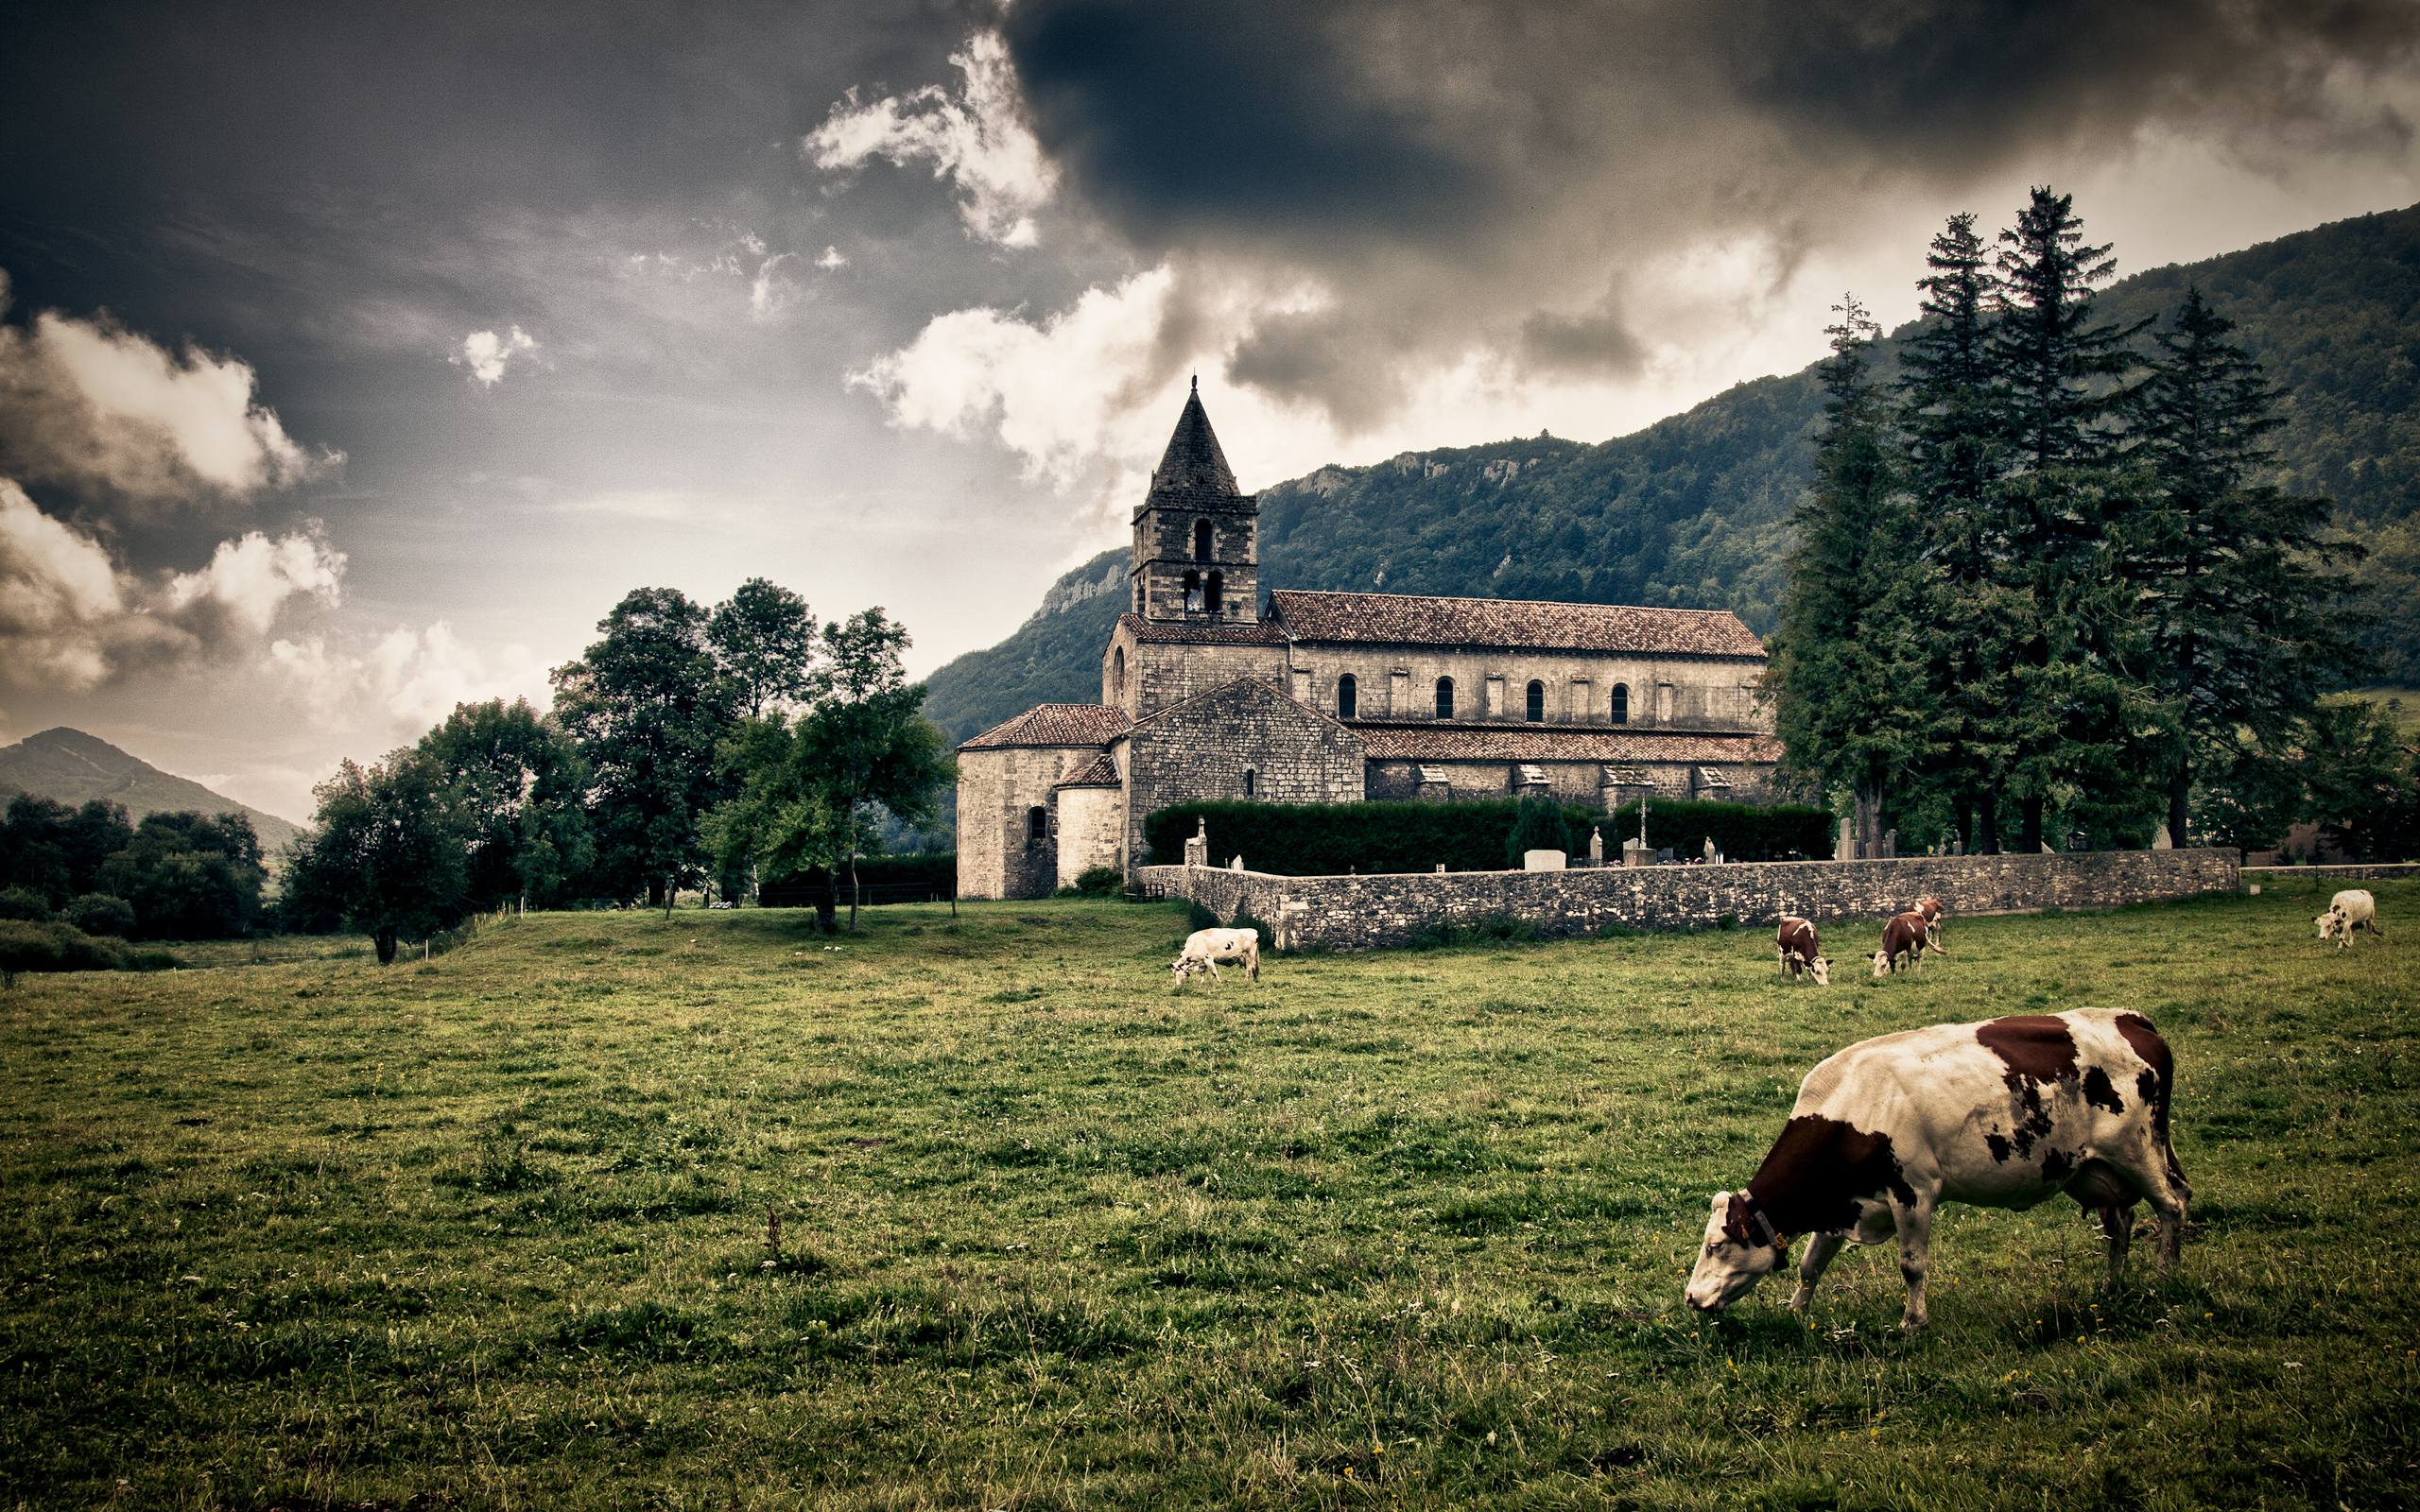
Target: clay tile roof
1409, 619
1200, 633
1558, 743
1102, 772
1193, 462
1055, 724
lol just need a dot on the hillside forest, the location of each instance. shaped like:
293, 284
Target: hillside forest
1697, 509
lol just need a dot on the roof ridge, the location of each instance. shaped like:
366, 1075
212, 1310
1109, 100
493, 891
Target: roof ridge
1480, 599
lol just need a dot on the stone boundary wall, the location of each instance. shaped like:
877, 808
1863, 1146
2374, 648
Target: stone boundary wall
1367, 911
2347, 871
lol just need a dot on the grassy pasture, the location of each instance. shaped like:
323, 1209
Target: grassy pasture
1391, 1230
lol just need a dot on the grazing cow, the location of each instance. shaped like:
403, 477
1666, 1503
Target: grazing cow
1795, 943
2002, 1113
1904, 938
1930, 907
2349, 910
1205, 948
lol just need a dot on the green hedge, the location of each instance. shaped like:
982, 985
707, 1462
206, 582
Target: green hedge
1320, 839
1326, 839
1742, 831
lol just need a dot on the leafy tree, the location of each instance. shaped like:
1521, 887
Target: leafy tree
24, 904
2246, 796
188, 876
2242, 612
648, 706
386, 851
56, 851
806, 791
97, 913
1845, 663
518, 784
765, 638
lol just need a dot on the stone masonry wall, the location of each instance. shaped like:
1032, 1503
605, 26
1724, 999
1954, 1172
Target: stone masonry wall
1162, 673
1580, 782
1203, 750
1092, 821
996, 789
1362, 912
1666, 692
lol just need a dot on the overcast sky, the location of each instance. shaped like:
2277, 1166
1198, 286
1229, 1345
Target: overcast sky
355, 358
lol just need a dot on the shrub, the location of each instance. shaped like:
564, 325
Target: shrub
1100, 882
1537, 825
31, 947
97, 913
26, 905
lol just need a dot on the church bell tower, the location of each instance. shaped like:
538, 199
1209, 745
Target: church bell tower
1196, 548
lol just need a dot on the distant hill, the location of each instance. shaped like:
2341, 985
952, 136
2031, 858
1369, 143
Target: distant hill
1694, 510
72, 767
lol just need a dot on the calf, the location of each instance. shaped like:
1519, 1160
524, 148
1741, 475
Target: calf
1795, 943
1205, 948
2349, 910
1904, 938
1930, 907
2002, 1113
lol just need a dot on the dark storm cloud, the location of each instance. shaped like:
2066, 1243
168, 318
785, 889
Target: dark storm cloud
1462, 173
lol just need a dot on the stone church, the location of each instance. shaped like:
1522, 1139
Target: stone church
1321, 697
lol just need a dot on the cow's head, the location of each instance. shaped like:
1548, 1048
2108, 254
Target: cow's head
1740, 1249
1184, 966
2330, 921
1821, 969
1881, 965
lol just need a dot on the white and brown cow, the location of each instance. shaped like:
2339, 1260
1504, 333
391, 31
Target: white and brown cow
2349, 910
1930, 907
1795, 943
1904, 939
2002, 1113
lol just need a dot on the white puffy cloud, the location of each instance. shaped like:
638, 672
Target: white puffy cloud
974, 135
768, 292
90, 406
71, 617
831, 259
403, 681
486, 354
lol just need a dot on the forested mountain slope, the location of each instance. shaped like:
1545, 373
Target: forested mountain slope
73, 767
1693, 511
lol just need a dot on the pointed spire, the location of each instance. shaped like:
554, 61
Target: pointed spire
1193, 462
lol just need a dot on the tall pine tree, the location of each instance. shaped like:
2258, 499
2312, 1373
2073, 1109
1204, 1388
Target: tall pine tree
2242, 609
2069, 731
1950, 417
1843, 667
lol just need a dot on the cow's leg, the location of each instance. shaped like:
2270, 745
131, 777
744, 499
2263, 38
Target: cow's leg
1820, 1250
2151, 1170
1212, 962
1915, 1221
2118, 1227
1253, 965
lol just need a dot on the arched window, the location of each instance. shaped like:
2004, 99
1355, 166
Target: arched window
1216, 595
1444, 697
1252, 782
1348, 696
1037, 825
1537, 708
1117, 671
1622, 703
1192, 588
1202, 541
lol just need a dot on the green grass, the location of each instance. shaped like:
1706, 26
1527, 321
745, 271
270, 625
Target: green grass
1397, 1230
2401, 704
